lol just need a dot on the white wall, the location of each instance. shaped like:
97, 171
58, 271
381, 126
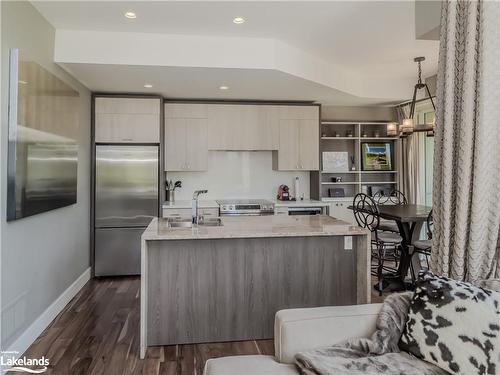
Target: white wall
238, 174
44, 254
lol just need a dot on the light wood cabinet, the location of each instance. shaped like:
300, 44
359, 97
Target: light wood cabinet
339, 210
288, 154
185, 140
292, 132
309, 144
186, 110
127, 120
243, 127
298, 146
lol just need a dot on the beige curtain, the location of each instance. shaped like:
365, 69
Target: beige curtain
466, 194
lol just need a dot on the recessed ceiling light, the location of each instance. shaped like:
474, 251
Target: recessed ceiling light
224, 87
148, 85
130, 15
238, 20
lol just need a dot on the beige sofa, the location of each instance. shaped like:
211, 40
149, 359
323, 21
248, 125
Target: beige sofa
296, 330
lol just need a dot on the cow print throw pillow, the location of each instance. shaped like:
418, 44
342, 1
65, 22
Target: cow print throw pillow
454, 325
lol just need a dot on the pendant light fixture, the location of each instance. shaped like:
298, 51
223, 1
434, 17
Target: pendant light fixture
392, 129
408, 125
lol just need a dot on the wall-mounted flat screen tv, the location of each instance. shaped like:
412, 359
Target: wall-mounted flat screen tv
43, 128
376, 156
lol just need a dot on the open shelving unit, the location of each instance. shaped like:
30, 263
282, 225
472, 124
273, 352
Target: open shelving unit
348, 137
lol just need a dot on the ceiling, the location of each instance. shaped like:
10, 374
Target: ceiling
373, 40
204, 83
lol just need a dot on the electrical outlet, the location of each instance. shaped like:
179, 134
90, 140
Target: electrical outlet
348, 242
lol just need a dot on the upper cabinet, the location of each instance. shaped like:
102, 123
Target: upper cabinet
191, 129
243, 127
127, 120
298, 139
186, 146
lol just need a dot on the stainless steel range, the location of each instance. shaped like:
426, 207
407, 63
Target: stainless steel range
248, 207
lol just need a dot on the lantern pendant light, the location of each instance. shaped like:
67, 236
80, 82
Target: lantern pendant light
392, 129
408, 125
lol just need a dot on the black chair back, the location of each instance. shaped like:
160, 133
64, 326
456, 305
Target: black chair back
380, 198
397, 197
430, 225
366, 212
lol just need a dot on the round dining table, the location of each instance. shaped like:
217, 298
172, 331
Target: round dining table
409, 218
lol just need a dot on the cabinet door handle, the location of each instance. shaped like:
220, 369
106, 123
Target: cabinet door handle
127, 139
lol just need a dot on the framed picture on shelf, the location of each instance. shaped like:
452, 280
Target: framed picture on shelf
376, 156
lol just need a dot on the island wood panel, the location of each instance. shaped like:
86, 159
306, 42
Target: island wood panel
362, 246
230, 289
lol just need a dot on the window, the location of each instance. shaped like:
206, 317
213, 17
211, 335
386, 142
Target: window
425, 115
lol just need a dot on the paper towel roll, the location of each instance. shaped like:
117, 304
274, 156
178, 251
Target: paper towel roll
297, 188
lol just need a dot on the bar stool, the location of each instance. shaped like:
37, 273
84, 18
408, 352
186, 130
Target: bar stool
385, 245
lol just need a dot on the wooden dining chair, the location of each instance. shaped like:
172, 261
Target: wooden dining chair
385, 245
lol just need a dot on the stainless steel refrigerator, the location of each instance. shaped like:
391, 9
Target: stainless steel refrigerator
126, 199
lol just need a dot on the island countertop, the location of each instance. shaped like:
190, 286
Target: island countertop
256, 227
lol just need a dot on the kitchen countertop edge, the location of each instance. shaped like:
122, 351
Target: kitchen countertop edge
241, 227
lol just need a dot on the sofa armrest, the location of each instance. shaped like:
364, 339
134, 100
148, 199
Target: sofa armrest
296, 330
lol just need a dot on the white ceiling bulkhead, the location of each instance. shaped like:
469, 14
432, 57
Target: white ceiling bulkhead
334, 52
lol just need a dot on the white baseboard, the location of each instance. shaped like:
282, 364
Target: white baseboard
29, 336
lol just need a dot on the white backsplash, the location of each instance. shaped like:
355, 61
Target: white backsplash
238, 174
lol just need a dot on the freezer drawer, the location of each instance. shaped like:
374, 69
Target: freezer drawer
118, 251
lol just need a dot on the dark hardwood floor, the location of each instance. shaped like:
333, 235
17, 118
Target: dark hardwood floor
98, 333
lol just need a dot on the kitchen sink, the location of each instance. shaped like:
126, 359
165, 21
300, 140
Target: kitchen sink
186, 223
180, 224
213, 222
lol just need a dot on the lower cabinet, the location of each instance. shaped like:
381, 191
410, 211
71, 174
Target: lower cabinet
339, 210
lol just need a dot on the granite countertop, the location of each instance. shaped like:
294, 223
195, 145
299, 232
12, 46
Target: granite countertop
256, 227
299, 203
202, 203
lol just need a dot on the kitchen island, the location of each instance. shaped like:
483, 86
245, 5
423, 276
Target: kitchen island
225, 283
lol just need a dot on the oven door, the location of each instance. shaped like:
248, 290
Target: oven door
305, 210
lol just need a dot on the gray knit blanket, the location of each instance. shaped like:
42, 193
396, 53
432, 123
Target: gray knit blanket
366, 356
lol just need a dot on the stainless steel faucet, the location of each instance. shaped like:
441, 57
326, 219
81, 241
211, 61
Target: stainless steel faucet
194, 207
